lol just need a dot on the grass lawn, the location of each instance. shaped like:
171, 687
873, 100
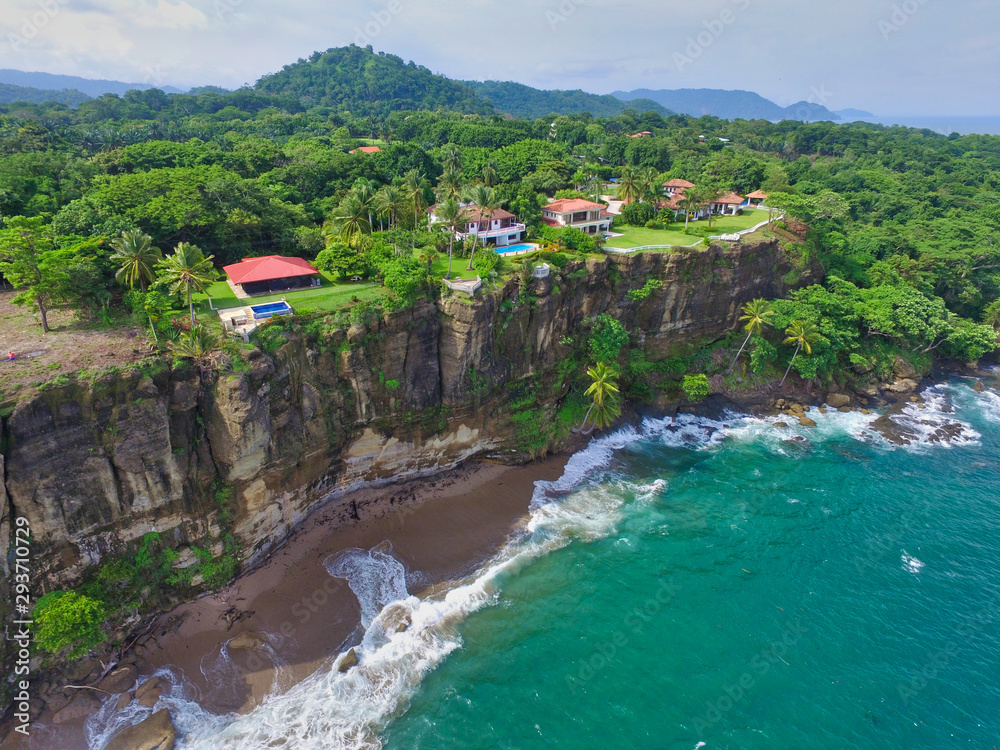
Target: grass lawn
332, 295
674, 235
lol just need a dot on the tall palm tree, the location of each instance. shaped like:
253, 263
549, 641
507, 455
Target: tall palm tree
136, 258
186, 270
487, 203
450, 184
451, 158
650, 186
351, 220
414, 184
756, 315
603, 392
428, 255
803, 334
389, 203
628, 185
450, 215
366, 192
490, 173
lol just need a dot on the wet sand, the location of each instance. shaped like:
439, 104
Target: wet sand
441, 528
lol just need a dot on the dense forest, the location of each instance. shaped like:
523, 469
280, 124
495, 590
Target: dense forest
905, 223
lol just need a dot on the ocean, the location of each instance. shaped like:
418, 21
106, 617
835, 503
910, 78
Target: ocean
943, 125
705, 583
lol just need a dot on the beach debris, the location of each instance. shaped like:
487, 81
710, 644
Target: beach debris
154, 733
234, 615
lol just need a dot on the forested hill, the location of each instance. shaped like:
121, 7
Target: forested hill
70, 97
730, 105
524, 101
357, 80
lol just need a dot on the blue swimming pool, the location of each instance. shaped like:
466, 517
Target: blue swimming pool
514, 249
269, 310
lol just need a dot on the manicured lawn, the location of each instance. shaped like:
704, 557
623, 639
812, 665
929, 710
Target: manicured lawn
332, 295
640, 236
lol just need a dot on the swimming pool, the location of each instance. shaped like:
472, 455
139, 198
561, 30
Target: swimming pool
512, 249
269, 310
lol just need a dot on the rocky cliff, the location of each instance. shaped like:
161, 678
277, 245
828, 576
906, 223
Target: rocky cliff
96, 464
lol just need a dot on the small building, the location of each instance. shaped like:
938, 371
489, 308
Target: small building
756, 198
643, 134
270, 274
672, 187
500, 226
578, 213
727, 204
365, 150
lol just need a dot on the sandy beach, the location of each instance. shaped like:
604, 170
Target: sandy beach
441, 528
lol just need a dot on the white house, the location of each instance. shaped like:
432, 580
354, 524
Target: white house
577, 213
500, 226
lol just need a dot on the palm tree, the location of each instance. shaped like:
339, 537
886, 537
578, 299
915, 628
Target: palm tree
428, 255
351, 220
486, 200
803, 334
490, 174
390, 202
414, 184
650, 186
136, 258
756, 315
197, 343
450, 215
628, 185
450, 184
451, 158
603, 392
186, 270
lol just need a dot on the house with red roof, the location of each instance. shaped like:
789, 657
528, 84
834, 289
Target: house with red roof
500, 226
270, 274
643, 134
756, 198
577, 213
365, 150
672, 187
726, 204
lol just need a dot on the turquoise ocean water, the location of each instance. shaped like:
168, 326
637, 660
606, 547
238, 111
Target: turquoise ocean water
699, 584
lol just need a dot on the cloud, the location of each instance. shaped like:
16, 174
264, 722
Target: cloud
167, 15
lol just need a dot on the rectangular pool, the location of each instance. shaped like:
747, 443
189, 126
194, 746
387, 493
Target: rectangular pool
269, 310
512, 249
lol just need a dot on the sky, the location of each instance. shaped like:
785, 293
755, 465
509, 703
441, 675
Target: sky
915, 57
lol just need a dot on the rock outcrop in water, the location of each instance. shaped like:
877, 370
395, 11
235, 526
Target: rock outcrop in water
95, 465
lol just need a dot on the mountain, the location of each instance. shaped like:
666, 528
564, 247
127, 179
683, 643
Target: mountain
90, 87
363, 82
69, 97
524, 101
853, 114
729, 105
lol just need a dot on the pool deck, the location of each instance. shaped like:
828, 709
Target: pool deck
527, 248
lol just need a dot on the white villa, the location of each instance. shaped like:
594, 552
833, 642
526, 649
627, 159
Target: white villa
578, 213
500, 226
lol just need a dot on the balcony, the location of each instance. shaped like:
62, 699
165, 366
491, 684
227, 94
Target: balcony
494, 233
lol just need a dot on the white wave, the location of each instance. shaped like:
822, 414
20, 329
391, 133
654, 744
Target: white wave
935, 424
375, 576
988, 402
911, 564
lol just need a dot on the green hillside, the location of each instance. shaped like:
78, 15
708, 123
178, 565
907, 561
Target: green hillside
524, 101
10, 93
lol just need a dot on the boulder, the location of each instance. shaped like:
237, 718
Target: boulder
806, 422
904, 369
978, 387
151, 684
251, 640
151, 697
396, 620
350, 660
837, 400
123, 700
796, 409
154, 733
781, 425
844, 409
903, 385
119, 680
82, 704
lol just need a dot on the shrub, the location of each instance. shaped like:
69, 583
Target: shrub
607, 339
637, 214
67, 620
696, 387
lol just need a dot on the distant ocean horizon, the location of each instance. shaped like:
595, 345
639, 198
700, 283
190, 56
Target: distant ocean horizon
943, 124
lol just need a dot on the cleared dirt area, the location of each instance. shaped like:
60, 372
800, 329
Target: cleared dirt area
68, 347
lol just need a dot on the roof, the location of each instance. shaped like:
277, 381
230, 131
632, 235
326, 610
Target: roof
473, 214
643, 134
366, 150
268, 268
758, 194
569, 205
551, 222
730, 199
678, 183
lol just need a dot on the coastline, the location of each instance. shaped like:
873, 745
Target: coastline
441, 528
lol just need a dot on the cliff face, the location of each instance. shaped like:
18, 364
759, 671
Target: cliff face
95, 465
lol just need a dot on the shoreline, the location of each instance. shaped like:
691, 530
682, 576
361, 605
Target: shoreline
295, 615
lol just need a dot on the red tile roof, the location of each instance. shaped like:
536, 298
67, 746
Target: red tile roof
551, 222
473, 214
758, 194
366, 150
571, 205
268, 268
678, 183
729, 200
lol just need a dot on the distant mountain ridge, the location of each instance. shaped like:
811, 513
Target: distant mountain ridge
90, 86
729, 105
524, 101
70, 97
